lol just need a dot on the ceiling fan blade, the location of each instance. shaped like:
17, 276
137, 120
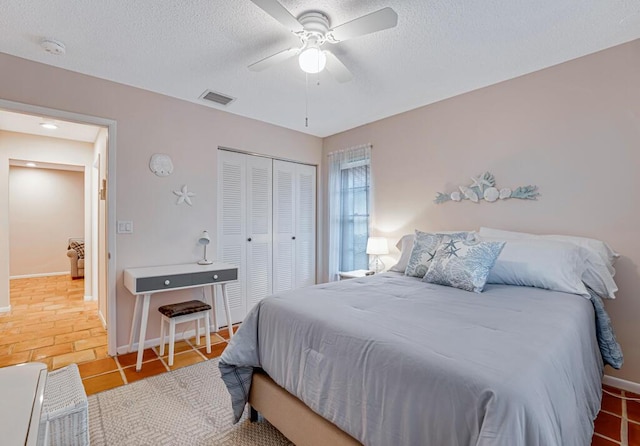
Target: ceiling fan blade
280, 13
376, 21
337, 68
274, 59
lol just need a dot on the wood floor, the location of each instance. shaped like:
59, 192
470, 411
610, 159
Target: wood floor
50, 322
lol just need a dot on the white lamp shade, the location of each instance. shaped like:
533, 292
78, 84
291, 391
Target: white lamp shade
377, 246
204, 238
312, 60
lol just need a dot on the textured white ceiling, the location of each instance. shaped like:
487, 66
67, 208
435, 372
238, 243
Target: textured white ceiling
439, 49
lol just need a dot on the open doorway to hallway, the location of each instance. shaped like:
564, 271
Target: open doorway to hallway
57, 234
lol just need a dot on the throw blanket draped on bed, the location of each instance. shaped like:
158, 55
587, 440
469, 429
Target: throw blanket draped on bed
393, 360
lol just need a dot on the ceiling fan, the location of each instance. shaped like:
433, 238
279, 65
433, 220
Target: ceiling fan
313, 29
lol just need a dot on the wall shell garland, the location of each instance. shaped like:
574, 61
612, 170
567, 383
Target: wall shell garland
483, 187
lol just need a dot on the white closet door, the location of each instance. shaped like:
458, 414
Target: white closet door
232, 215
284, 225
259, 229
305, 216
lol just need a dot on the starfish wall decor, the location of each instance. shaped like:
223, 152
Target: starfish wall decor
483, 187
184, 196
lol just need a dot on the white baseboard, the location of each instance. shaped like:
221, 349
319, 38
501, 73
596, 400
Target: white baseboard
29, 276
156, 341
102, 319
5, 309
89, 298
623, 384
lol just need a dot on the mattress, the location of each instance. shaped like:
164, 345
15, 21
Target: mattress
390, 359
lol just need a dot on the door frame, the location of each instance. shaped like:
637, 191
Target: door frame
110, 124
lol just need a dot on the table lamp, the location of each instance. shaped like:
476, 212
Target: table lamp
204, 240
377, 246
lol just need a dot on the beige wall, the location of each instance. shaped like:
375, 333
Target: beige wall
148, 123
573, 130
46, 208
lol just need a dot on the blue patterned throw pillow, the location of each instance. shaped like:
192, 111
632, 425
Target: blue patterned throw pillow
424, 248
463, 264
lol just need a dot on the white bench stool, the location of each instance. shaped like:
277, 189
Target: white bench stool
65, 409
193, 310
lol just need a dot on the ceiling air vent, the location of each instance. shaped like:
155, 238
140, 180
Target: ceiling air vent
218, 98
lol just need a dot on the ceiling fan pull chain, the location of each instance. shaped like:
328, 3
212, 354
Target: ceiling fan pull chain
306, 99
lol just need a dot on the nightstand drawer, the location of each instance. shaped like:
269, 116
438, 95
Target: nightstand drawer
162, 282
214, 277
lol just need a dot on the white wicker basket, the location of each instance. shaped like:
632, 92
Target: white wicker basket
65, 410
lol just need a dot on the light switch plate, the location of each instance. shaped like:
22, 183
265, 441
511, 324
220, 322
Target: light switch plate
125, 227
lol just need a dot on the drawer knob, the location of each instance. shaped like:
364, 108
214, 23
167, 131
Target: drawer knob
167, 282
215, 277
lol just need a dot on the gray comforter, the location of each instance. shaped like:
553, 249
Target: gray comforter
395, 361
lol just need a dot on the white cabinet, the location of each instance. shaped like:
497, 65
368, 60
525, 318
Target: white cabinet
266, 226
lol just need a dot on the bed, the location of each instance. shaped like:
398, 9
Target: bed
390, 359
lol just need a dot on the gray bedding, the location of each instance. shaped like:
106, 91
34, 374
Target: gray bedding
392, 360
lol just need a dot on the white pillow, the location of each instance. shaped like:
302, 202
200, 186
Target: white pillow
404, 245
596, 254
546, 264
599, 247
597, 277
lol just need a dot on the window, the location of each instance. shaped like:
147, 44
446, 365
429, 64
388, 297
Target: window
349, 209
354, 215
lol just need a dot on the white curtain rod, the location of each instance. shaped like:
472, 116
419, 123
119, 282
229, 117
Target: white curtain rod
361, 146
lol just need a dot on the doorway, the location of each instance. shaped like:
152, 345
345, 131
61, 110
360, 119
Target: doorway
98, 233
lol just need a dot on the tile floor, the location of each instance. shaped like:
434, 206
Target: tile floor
50, 322
107, 373
618, 423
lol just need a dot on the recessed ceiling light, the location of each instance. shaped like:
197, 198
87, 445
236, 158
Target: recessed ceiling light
48, 125
31, 164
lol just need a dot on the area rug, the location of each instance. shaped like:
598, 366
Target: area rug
188, 406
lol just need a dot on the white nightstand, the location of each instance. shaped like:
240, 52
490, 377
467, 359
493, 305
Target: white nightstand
355, 274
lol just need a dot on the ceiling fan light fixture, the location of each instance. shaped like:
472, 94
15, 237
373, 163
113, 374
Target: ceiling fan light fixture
312, 60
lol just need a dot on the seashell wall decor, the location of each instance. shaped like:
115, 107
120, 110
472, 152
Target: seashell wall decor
483, 187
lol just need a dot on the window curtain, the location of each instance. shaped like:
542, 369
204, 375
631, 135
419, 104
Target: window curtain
349, 202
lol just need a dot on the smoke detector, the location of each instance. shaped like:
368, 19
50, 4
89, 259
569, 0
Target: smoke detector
53, 46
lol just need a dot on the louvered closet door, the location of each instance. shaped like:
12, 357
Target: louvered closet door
305, 216
284, 226
232, 215
259, 229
